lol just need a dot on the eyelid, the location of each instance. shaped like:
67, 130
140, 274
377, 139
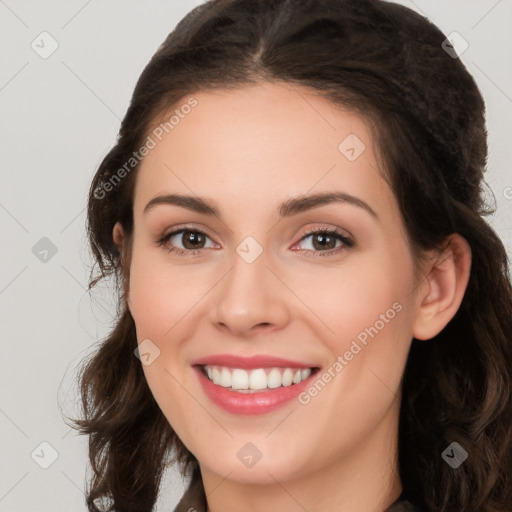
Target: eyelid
316, 227
161, 240
185, 227
345, 236
319, 228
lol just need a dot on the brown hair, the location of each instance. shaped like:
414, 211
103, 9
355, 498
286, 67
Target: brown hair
387, 63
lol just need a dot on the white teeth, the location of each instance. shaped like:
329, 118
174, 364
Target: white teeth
239, 379
305, 373
274, 378
258, 379
215, 376
252, 380
225, 378
287, 377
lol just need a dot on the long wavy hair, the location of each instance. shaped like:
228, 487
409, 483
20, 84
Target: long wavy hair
388, 64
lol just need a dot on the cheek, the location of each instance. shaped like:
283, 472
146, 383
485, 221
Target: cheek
373, 332
160, 295
358, 300
161, 299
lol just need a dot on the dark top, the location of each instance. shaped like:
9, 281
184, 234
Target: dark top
194, 500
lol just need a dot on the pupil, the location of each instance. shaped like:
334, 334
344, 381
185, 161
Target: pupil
323, 244
192, 237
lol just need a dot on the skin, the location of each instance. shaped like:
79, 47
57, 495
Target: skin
248, 150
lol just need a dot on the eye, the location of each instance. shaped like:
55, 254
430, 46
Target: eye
326, 242
191, 240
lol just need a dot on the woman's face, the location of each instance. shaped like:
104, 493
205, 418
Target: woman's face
252, 281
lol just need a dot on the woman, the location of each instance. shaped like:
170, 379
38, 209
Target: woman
320, 316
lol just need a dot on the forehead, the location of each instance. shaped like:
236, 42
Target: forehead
258, 144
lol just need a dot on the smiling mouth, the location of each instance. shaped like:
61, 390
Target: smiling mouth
255, 380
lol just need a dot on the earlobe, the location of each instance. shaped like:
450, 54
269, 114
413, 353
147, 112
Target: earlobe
446, 282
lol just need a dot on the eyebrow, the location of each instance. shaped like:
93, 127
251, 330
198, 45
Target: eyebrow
286, 209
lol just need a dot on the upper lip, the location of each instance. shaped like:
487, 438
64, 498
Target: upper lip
256, 361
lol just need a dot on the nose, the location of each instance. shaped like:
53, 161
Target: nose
250, 299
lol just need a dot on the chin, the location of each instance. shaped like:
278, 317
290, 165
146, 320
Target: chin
242, 467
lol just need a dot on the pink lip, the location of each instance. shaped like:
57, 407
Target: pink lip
250, 404
231, 361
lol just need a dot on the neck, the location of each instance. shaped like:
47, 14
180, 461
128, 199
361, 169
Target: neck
366, 479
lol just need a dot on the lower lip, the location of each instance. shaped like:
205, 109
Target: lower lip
249, 404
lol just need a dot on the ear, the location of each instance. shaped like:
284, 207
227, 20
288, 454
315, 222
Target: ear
445, 282
120, 239
118, 236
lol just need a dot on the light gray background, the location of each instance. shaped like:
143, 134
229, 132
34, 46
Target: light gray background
59, 117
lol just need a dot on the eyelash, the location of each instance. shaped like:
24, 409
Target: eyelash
346, 241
